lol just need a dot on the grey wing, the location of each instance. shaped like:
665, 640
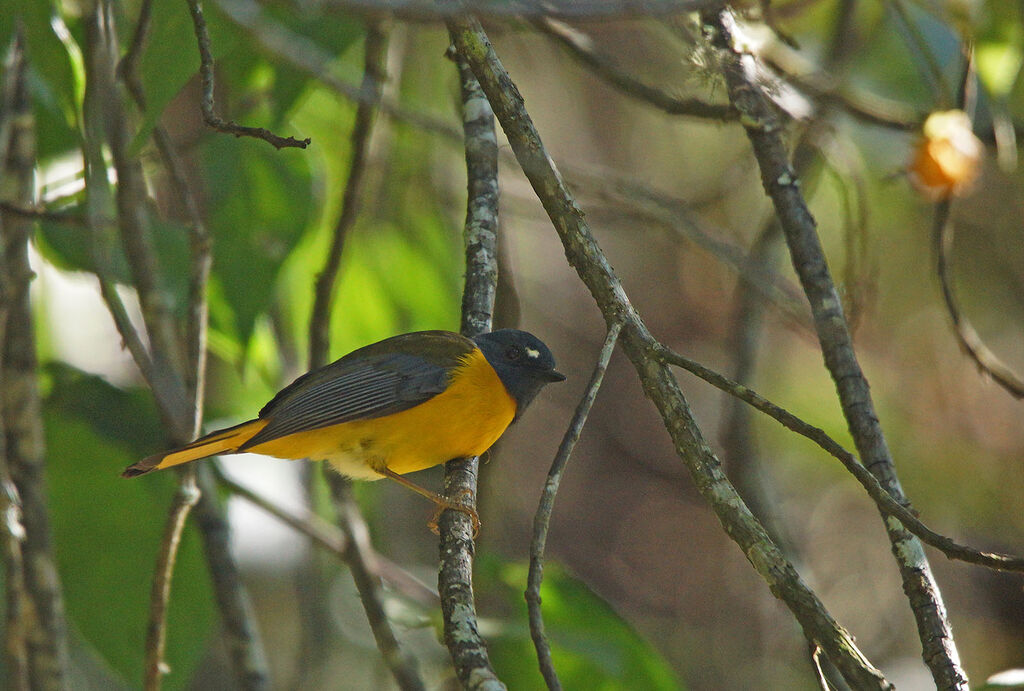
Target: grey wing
345, 391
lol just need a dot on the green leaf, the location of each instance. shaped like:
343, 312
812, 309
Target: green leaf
259, 201
107, 530
592, 647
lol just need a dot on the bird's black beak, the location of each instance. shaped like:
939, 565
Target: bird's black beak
552, 375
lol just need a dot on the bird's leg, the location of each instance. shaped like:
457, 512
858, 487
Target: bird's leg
443, 503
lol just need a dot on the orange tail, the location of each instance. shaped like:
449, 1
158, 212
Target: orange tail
222, 441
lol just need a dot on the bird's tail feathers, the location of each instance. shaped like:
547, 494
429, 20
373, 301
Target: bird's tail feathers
222, 441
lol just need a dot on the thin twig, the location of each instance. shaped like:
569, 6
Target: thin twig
542, 518
590, 263
160, 591
782, 186
310, 58
966, 335
41, 213
455, 577
199, 239
433, 11
210, 117
375, 73
107, 117
921, 49
677, 216
580, 47
128, 67
333, 540
888, 504
187, 494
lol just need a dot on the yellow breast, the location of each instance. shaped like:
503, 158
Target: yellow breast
464, 420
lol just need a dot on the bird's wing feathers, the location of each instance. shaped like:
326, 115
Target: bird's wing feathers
381, 379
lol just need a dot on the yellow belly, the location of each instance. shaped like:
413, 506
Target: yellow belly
464, 420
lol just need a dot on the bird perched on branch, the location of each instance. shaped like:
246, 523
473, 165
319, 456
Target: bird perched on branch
394, 407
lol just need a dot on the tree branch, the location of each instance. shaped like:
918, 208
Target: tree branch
598, 10
160, 590
966, 335
455, 578
542, 518
106, 118
210, 117
241, 637
579, 47
357, 552
359, 556
660, 386
36, 631
374, 76
886, 503
333, 540
782, 186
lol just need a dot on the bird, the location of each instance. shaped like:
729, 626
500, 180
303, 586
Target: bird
406, 403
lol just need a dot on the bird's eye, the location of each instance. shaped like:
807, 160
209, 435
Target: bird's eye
513, 353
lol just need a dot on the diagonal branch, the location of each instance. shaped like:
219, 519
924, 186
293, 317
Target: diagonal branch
333, 540
885, 501
579, 46
542, 519
374, 76
587, 258
781, 184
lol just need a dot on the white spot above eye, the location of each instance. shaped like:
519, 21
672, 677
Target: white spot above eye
530, 352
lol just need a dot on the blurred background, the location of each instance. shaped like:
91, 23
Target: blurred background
643, 590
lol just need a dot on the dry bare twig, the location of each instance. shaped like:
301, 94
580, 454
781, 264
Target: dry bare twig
542, 519
210, 116
580, 47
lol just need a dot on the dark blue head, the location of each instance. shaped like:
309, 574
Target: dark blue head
522, 361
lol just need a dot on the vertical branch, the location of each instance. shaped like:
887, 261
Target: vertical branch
781, 184
160, 589
12, 532
542, 519
374, 77
37, 642
358, 554
455, 578
586, 256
